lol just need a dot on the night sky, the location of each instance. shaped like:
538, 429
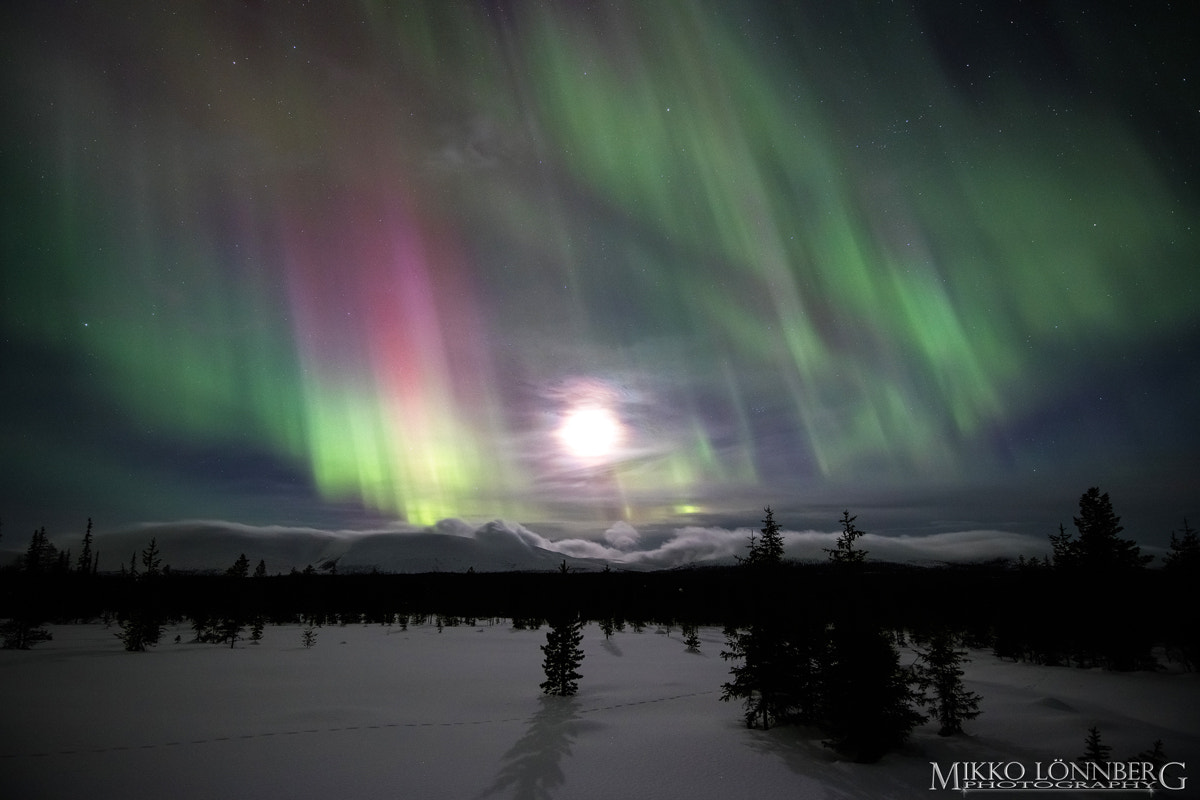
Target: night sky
572, 264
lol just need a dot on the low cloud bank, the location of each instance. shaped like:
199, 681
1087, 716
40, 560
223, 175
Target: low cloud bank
456, 545
697, 545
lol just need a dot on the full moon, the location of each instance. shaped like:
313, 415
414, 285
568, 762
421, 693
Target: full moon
591, 432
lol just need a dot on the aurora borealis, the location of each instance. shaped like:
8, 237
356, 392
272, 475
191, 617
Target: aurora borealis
288, 262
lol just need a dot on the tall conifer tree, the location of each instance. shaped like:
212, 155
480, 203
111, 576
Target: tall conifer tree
1099, 547
151, 560
563, 656
767, 549
1184, 556
844, 552
939, 676
240, 567
85, 564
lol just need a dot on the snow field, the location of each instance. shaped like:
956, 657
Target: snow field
378, 712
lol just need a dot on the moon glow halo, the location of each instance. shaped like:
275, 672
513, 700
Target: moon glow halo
591, 432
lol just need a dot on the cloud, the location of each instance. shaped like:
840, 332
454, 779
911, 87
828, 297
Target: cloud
692, 545
454, 527
974, 545
585, 548
716, 545
622, 536
455, 545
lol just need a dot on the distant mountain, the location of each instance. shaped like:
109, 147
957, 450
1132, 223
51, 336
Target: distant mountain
449, 546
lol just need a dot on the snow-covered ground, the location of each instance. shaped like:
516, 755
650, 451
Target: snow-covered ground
374, 712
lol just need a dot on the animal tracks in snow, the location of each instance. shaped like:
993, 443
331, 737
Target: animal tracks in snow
340, 729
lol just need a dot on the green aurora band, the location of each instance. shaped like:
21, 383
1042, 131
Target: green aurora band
281, 233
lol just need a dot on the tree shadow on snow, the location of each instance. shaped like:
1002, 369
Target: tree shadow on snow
611, 646
801, 750
533, 765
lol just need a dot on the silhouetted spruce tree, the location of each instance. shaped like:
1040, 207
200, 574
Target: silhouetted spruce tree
765, 550
256, 629
1062, 545
1094, 748
309, 636
23, 630
562, 656
762, 672
41, 557
26, 607
1184, 556
844, 552
865, 702
140, 628
141, 620
1098, 563
231, 629
85, 565
151, 559
204, 627
240, 567
746, 682
261, 570
691, 637
1098, 547
767, 676
770, 545
236, 611
1155, 755
939, 676
867, 706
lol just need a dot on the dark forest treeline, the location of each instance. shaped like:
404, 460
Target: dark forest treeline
1030, 613
1094, 604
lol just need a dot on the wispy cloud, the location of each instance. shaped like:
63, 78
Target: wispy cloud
455, 544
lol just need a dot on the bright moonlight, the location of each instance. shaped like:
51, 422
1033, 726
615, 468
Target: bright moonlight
591, 432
